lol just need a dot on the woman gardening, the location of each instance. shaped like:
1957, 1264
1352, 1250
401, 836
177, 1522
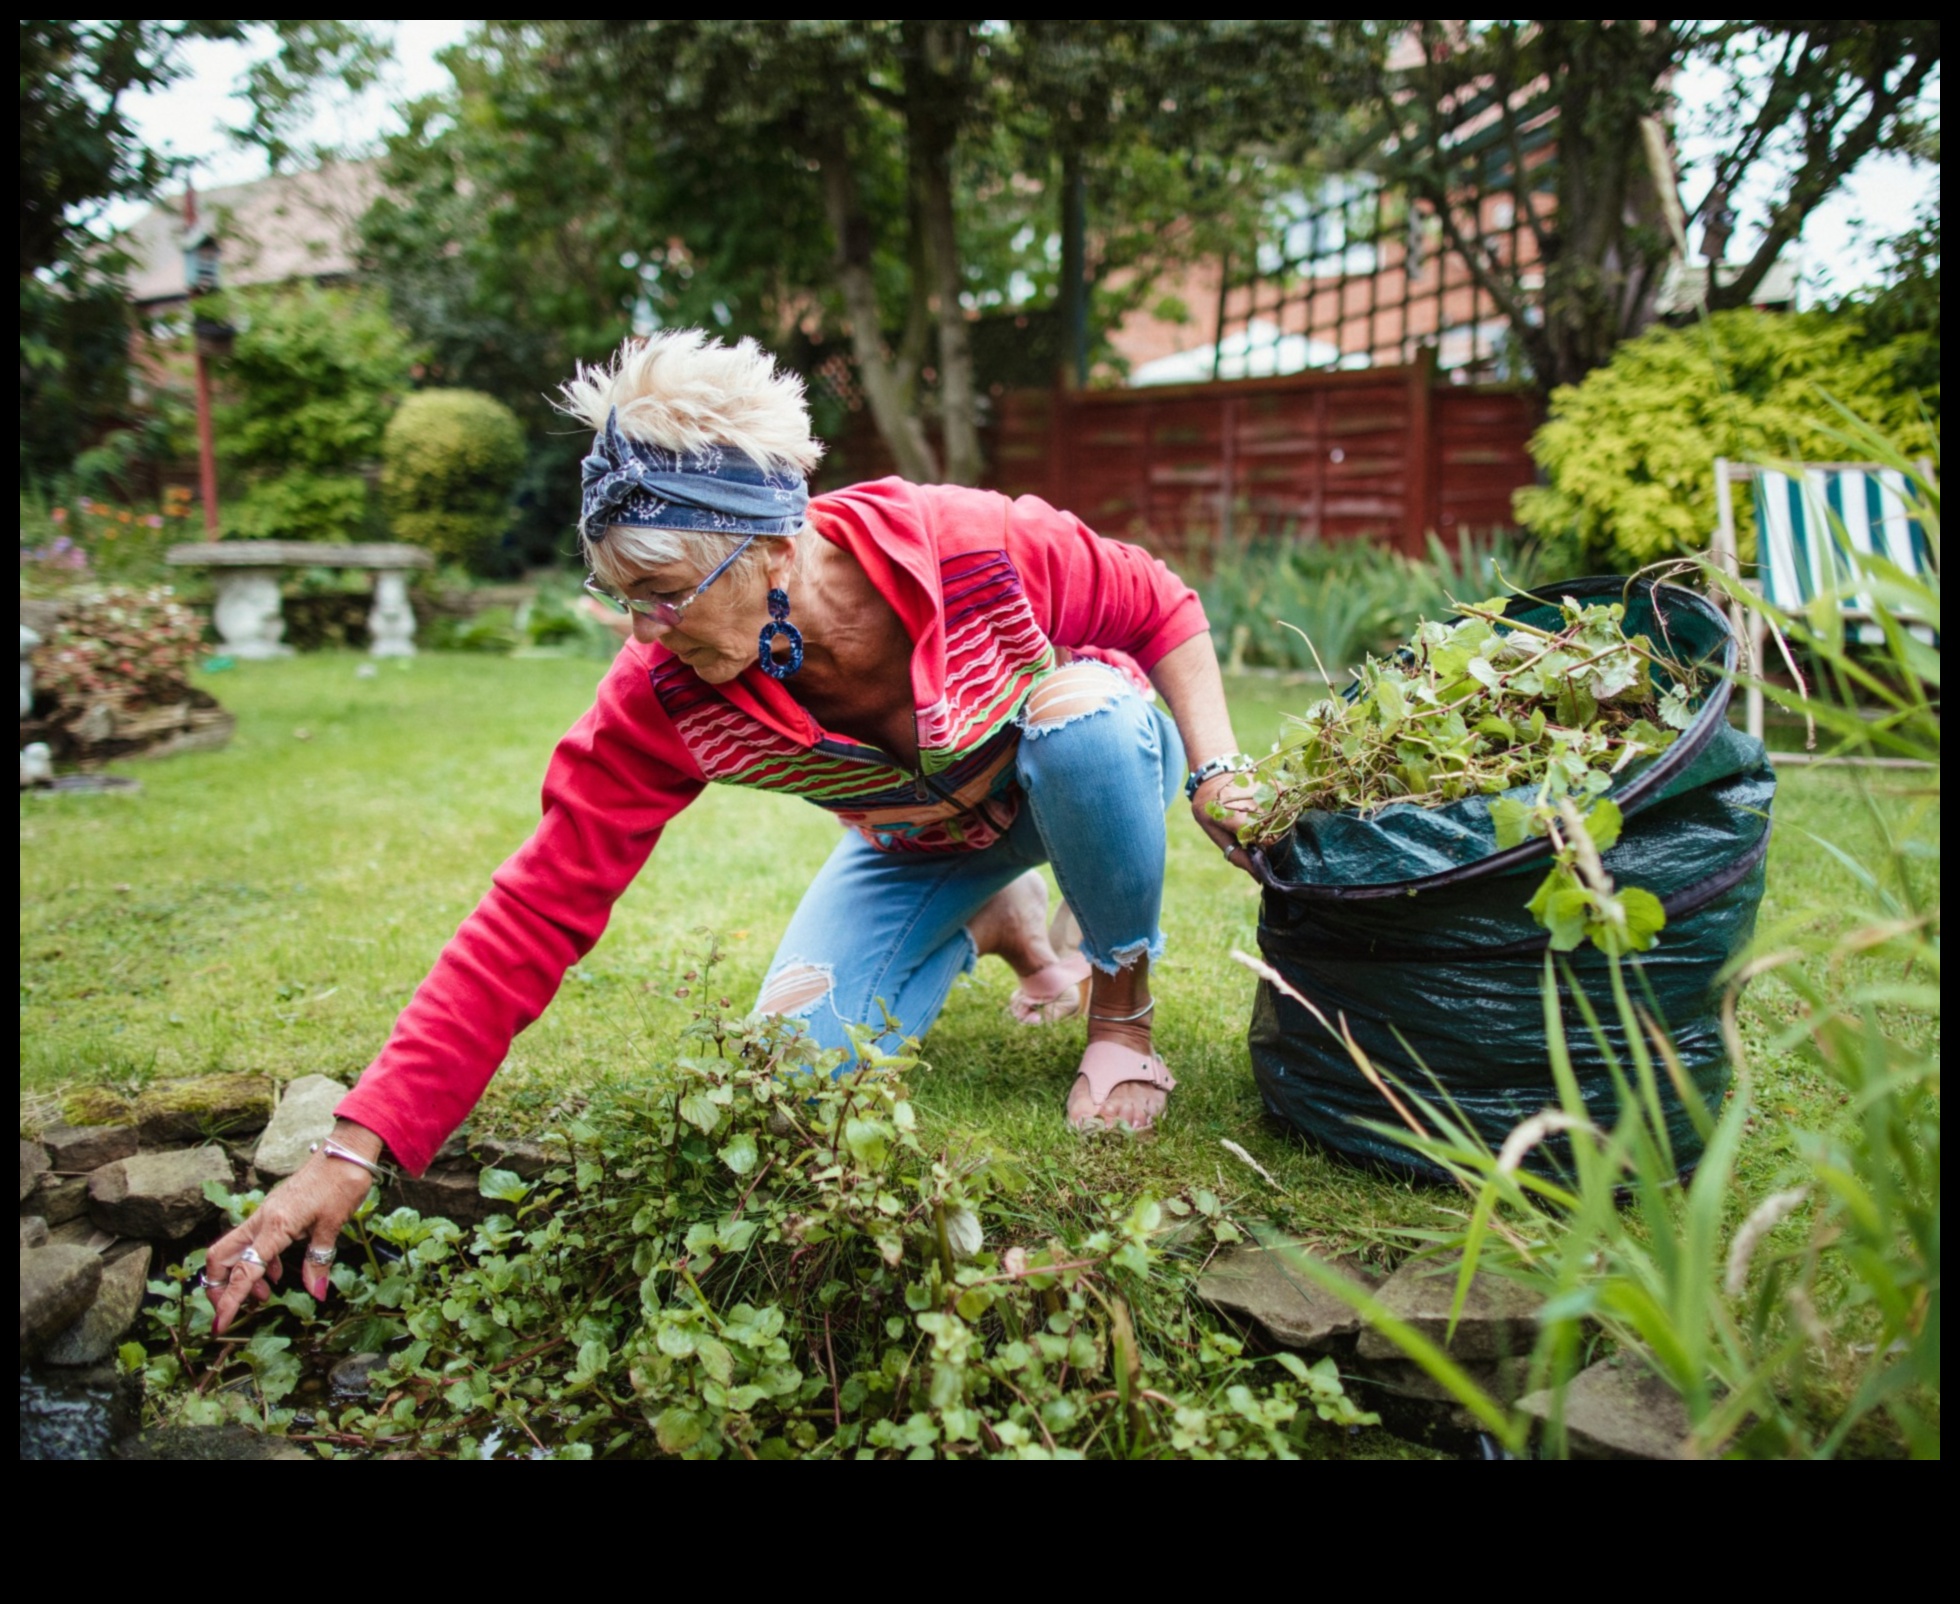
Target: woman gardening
958, 677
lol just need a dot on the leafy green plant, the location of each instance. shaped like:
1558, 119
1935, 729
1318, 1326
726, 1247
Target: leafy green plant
450, 459
1481, 707
1629, 454
1345, 597
309, 384
1798, 1321
559, 620
492, 630
742, 1256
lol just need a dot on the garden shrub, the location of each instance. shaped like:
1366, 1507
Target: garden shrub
311, 379
1269, 598
1629, 455
450, 459
120, 646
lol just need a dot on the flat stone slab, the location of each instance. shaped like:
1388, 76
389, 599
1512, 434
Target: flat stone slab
205, 1106
33, 1165
93, 1337
84, 1234
159, 1195
450, 1194
304, 1116
77, 1149
1499, 1317
1260, 1285
1501, 1379
59, 1198
208, 1443
1618, 1409
523, 1158
57, 1283
296, 554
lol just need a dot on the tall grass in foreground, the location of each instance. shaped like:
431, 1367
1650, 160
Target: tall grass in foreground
1802, 1323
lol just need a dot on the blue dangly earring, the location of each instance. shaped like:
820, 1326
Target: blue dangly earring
779, 626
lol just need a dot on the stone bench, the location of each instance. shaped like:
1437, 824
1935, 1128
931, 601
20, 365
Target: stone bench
246, 573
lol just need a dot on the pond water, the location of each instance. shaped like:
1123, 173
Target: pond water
72, 1414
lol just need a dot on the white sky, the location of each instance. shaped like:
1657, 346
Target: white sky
192, 118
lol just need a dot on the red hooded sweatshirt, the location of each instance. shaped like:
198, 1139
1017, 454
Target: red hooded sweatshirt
992, 591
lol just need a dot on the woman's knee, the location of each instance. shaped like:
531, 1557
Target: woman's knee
794, 990
1083, 697
1064, 695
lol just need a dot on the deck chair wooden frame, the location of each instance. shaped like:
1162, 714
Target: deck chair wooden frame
1749, 622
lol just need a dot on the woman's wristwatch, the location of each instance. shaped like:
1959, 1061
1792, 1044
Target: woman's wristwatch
1229, 763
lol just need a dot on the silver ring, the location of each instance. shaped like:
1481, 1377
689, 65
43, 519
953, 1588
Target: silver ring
250, 1255
322, 1256
207, 1283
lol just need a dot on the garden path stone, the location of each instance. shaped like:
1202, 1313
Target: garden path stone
76, 1149
1258, 1284
93, 1338
304, 1116
33, 1232
56, 1284
156, 1194
59, 1198
207, 1105
1499, 1317
33, 1165
1618, 1409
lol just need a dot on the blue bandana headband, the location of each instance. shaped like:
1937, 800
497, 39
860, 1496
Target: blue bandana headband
630, 482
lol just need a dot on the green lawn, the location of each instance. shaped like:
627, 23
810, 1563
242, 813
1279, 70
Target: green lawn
270, 907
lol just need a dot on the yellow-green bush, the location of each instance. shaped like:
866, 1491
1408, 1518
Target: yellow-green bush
449, 461
1629, 455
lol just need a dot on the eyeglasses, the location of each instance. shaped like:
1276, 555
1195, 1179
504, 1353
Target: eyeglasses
665, 613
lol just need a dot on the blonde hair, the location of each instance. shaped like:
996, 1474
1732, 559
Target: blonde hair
683, 390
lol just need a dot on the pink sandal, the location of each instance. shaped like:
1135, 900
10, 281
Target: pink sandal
1107, 1065
1029, 1006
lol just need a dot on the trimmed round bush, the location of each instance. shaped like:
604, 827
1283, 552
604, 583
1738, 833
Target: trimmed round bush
1629, 454
449, 461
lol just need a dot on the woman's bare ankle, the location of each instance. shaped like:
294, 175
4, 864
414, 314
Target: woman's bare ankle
1120, 1006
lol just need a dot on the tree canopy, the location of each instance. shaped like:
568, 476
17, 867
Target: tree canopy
1454, 107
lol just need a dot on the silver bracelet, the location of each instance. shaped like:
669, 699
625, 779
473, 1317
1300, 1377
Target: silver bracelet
333, 1149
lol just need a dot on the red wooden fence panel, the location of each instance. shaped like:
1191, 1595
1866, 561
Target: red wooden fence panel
1378, 453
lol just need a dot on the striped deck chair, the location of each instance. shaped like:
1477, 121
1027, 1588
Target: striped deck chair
1805, 526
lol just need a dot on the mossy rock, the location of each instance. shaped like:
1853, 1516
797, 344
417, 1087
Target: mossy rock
209, 1105
96, 1105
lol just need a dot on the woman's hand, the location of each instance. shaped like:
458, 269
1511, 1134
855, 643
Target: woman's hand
1230, 793
314, 1202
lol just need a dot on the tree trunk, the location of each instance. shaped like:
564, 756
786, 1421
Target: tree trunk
1074, 294
884, 388
935, 97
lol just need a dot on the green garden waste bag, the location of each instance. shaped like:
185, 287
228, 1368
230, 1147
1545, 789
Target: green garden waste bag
1411, 925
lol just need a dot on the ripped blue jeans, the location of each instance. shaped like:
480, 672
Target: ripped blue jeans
1098, 764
